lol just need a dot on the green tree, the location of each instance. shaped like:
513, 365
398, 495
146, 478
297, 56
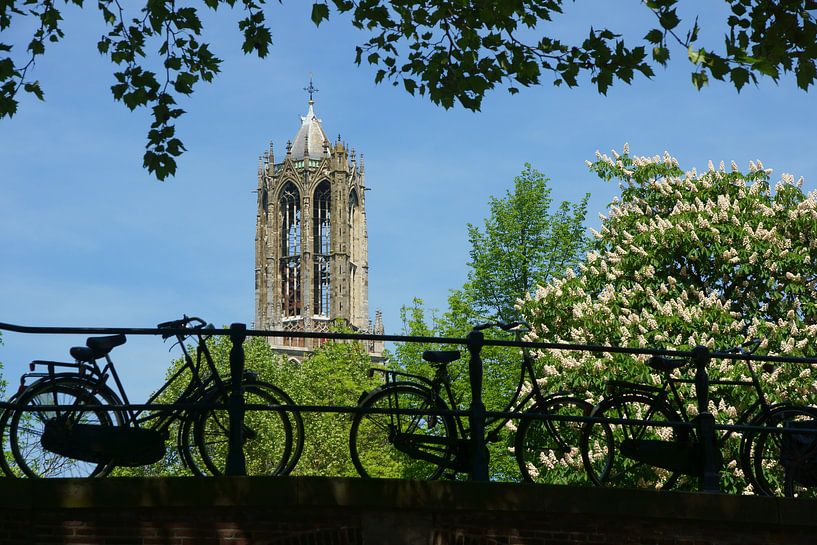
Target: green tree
336, 374
688, 258
455, 52
525, 241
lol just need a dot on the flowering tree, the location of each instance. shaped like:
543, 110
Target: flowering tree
685, 259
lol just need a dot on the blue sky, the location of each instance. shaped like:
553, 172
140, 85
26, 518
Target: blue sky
88, 238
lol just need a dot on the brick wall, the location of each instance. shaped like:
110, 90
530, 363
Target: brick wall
272, 511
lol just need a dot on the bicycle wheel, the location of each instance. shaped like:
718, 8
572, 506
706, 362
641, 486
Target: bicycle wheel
390, 444
267, 435
608, 464
77, 405
186, 445
784, 454
6, 457
547, 450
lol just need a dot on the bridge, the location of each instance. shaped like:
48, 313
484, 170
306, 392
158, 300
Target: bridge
335, 511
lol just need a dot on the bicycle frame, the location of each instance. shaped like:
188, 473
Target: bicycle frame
97, 377
440, 387
669, 395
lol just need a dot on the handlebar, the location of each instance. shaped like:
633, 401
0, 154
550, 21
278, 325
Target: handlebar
183, 323
665, 364
504, 326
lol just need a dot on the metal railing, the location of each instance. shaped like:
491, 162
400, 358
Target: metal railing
704, 422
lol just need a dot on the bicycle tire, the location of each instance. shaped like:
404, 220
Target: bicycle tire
26, 426
372, 435
601, 442
542, 445
186, 445
785, 463
6, 455
269, 444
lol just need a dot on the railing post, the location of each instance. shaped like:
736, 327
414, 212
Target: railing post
476, 420
235, 452
710, 461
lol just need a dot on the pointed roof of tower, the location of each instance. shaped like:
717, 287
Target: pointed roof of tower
310, 136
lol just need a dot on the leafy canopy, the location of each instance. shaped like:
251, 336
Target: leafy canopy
454, 52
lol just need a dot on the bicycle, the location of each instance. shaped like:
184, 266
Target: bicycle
405, 428
651, 442
70, 422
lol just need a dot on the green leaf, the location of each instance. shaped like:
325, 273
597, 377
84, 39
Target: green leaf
766, 68
173, 63
654, 36
697, 56
34, 88
319, 13
699, 79
8, 105
739, 76
36, 47
661, 55
805, 72
7, 69
669, 19
103, 45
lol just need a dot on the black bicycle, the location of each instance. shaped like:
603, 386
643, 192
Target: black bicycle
69, 422
648, 439
405, 428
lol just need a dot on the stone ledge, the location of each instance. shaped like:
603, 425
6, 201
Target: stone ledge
368, 495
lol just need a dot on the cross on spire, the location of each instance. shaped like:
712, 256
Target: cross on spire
311, 89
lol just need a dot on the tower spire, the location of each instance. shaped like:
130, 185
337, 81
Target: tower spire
311, 89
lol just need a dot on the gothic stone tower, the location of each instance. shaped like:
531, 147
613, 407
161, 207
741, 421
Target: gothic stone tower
311, 244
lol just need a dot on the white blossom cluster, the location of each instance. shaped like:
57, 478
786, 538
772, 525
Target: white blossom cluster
682, 259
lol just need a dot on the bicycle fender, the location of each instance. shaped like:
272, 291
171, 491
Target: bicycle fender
89, 381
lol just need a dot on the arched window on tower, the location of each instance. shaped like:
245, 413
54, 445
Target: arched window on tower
322, 249
290, 261
354, 254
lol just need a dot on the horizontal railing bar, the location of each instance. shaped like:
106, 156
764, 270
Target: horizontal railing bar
528, 415
399, 338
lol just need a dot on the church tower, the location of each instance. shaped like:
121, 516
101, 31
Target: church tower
311, 243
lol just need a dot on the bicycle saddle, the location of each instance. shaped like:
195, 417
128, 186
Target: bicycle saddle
662, 363
97, 347
441, 356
